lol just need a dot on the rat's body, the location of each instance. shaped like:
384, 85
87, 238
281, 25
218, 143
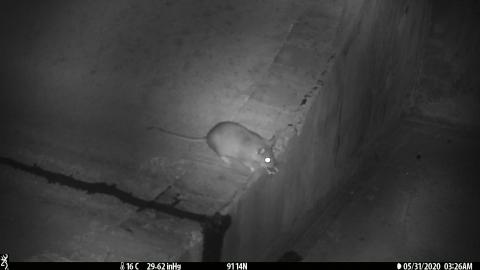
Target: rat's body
232, 141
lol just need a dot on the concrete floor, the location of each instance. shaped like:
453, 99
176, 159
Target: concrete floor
417, 201
86, 78
45, 221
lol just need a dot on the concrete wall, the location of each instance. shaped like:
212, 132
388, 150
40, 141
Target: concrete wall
365, 87
449, 86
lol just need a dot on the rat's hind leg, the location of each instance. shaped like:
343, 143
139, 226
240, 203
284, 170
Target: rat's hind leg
230, 162
226, 160
249, 165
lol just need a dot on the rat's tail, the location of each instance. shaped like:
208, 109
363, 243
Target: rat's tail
186, 137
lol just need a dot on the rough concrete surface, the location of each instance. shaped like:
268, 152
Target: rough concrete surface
416, 201
448, 86
44, 221
82, 81
358, 91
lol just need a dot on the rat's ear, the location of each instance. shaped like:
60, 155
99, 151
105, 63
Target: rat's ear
261, 151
